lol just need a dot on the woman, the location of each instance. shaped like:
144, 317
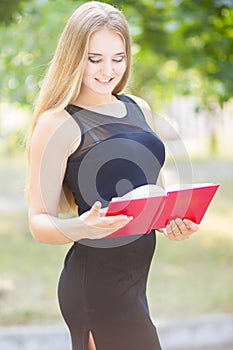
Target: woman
88, 144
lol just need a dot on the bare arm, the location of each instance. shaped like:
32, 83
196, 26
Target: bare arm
55, 137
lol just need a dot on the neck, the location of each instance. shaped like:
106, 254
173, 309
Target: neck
90, 99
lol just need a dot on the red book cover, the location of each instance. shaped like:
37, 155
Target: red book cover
151, 211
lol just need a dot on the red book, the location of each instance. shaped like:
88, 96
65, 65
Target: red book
153, 208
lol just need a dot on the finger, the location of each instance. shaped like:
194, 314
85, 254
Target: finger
118, 220
175, 228
95, 209
169, 232
103, 211
177, 231
182, 227
190, 225
113, 225
96, 206
168, 229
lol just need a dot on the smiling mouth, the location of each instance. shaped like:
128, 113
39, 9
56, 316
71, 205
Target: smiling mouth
104, 81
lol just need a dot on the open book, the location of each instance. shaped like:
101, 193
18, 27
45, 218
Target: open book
152, 207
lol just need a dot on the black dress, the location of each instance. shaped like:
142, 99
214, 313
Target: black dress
102, 287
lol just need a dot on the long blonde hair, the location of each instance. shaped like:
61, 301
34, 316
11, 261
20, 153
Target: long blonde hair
63, 79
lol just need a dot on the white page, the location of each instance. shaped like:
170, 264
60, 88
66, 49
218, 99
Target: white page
177, 187
144, 191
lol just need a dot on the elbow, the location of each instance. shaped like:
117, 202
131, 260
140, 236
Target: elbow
44, 230
36, 229
36, 236
35, 233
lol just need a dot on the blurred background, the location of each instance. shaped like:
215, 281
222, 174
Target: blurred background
183, 66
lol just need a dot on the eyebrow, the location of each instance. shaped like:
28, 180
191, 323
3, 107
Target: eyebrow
99, 54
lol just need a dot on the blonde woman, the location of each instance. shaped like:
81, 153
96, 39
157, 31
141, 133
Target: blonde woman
90, 142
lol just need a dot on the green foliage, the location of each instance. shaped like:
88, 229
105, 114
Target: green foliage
8, 9
191, 42
180, 47
28, 44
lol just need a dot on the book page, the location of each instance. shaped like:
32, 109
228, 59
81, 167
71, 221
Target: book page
178, 187
145, 191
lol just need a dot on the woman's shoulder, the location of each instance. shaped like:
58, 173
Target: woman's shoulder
52, 119
140, 101
58, 126
144, 107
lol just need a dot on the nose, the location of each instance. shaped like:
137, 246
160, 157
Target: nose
107, 68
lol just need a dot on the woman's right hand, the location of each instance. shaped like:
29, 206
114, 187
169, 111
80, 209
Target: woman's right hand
97, 226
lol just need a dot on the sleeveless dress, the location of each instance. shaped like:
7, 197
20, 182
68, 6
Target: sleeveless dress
102, 287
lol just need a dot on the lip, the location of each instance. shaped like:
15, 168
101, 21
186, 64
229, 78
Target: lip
104, 81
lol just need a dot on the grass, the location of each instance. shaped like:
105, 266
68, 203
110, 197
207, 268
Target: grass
29, 271
195, 276
186, 279
192, 277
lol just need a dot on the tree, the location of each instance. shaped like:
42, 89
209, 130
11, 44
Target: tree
28, 44
188, 45
8, 9
180, 47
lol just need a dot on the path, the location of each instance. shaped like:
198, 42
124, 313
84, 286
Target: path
212, 332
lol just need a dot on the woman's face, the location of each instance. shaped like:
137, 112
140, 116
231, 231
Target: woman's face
106, 62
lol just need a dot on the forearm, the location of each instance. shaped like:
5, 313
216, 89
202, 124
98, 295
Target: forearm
53, 230
92, 224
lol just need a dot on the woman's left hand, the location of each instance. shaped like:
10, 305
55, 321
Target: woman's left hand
178, 229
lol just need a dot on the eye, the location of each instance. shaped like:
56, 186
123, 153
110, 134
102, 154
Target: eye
119, 59
94, 59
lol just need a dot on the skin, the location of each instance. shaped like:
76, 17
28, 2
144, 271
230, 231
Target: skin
104, 69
